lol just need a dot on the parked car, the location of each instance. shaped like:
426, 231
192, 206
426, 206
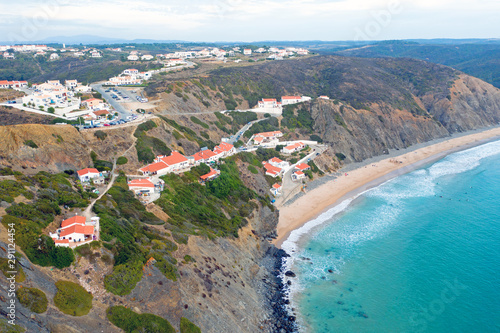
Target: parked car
106, 124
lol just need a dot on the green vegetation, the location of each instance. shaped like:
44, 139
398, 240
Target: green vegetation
340, 156
302, 120
268, 125
33, 299
192, 206
10, 189
121, 160
148, 147
5, 327
188, 327
252, 169
101, 135
123, 278
4, 267
31, 144
199, 122
72, 299
52, 191
132, 322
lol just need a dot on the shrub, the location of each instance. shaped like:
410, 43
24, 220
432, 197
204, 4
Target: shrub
252, 169
123, 278
130, 321
31, 144
51, 110
72, 299
199, 122
315, 137
188, 327
340, 156
101, 135
33, 299
4, 267
122, 160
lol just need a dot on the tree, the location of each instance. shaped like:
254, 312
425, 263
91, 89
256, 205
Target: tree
51, 110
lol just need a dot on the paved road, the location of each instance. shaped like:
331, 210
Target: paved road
290, 188
242, 131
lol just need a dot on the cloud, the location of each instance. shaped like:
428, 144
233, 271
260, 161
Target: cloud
250, 19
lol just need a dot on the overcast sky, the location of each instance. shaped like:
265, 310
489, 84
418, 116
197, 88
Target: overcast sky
250, 20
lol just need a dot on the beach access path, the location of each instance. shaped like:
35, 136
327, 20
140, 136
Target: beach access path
351, 183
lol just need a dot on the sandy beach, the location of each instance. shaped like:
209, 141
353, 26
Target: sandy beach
350, 183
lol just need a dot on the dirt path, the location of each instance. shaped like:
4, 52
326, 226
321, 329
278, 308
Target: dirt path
88, 211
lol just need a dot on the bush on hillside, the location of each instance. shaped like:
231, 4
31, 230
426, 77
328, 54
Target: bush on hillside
132, 322
72, 299
33, 299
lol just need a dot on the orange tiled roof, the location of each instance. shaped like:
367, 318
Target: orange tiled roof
72, 220
275, 160
208, 175
272, 169
277, 186
295, 145
154, 167
140, 183
302, 166
86, 171
203, 155
79, 229
174, 158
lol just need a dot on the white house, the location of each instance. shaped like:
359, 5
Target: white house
87, 174
302, 167
95, 54
71, 84
276, 189
286, 100
323, 97
268, 103
94, 104
133, 57
272, 171
76, 231
209, 176
141, 186
266, 137
297, 175
247, 52
166, 164
130, 71
279, 163
224, 150
204, 156
147, 57
54, 56
293, 148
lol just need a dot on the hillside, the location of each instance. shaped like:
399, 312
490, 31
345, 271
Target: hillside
481, 60
375, 105
213, 262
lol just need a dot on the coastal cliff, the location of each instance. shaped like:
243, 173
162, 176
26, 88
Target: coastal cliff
230, 284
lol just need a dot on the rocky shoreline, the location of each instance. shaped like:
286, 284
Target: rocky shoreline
281, 320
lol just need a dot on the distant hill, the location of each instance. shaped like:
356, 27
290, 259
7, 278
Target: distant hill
479, 58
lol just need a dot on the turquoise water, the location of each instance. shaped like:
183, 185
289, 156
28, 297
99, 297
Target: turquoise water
420, 253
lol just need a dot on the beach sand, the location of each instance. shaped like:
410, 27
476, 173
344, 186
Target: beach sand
316, 201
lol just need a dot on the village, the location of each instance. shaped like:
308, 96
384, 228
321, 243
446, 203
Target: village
147, 185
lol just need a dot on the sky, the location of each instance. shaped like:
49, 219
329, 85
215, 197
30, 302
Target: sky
250, 20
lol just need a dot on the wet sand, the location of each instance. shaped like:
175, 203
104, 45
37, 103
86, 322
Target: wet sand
350, 183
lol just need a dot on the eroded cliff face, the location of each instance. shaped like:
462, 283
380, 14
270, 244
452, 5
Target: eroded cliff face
57, 148
360, 134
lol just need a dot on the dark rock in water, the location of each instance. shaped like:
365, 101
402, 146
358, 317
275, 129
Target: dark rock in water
330, 271
290, 274
362, 314
286, 302
350, 289
323, 278
340, 302
289, 282
334, 281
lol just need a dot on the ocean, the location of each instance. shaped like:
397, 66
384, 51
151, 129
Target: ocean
419, 253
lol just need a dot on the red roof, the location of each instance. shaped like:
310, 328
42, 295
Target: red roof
298, 172
276, 186
209, 175
224, 146
140, 183
101, 112
174, 158
302, 166
72, 220
272, 169
92, 100
86, 171
269, 99
275, 160
154, 167
61, 241
294, 146
78, 229
268, 134
203, 155
291, 97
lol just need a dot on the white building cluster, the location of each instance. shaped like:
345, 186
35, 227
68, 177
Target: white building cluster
54, 94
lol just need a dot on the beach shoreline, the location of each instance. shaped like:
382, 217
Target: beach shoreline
369, 174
